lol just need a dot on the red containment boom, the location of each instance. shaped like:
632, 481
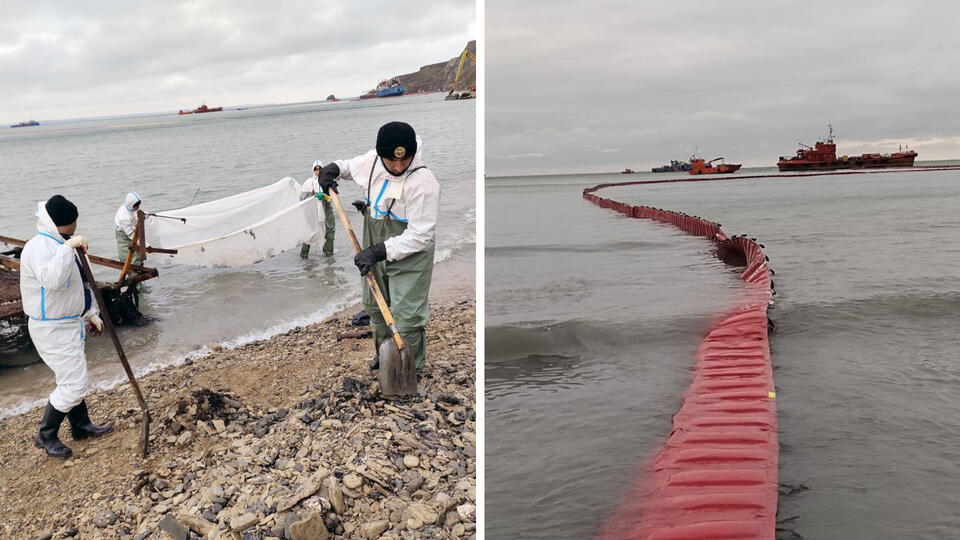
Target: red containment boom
716, 476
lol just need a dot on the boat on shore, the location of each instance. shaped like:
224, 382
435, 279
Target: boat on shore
390, 88
674, 166
822, 156
699, 166
201, 109
28, 123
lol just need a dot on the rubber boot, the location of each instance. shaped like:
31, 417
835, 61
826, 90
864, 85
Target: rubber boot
47, 436
375, 362
80, 425
305, 251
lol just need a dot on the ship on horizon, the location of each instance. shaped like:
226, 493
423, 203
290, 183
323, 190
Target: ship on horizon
674, 166
28, 123
201, 109
822, 156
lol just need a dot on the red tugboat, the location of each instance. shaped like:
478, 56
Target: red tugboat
201, 109
823, 157
699, 166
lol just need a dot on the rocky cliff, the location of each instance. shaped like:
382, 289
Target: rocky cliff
439, 77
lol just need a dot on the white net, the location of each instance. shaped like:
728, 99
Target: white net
238, 230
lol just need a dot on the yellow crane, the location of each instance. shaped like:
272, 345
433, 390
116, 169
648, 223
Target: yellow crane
466, 94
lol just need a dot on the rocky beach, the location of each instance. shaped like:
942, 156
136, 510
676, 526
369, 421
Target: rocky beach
285, 438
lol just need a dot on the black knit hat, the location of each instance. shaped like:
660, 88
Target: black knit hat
396, 140
61, 211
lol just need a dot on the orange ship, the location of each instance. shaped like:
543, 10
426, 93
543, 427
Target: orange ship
699, 166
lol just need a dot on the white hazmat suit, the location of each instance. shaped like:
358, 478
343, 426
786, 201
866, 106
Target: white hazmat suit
53, 297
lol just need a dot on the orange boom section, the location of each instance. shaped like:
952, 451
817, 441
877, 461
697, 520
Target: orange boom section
716, 476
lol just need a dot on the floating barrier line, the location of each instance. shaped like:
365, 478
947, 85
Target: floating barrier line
716, 476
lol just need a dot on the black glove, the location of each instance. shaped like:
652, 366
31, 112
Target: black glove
369, 257
360, 205
328, 178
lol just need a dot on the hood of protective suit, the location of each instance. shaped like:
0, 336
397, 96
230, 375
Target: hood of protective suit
132, 199
45, 223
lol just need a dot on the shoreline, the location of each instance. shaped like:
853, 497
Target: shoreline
454, 278
236, 433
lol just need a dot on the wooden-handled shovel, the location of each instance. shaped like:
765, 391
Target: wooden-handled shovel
398, 374
108, 326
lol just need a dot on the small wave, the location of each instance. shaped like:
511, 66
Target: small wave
867, 315
569, 339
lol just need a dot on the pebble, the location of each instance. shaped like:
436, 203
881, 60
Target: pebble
312, 528
244, 521
468, 512
352, 481
336, 496
105, 519
373, 529
411, 461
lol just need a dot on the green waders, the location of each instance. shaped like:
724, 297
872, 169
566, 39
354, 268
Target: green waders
122, 242
330, 227
405, 285
329, 231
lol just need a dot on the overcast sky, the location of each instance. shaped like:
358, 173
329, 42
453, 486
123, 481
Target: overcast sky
600, 85
68, 59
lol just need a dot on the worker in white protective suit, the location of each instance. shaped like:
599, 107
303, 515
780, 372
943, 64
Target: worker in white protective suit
400, 208
124, 224
309, 189
59, 303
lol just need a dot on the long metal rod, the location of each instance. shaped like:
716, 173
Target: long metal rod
108, 326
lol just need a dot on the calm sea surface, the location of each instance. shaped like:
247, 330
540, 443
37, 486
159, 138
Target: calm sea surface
593, 319
167, 159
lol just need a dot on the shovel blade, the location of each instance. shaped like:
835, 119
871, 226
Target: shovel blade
398, 371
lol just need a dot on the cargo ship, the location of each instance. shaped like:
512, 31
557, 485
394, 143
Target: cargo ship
26, 124
390, 88
627, 171
201, 109
674, 166
699, 166
823, 157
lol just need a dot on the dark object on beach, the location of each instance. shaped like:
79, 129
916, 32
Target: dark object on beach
360, 319
108, 326
823, 157
355, 334
124, 306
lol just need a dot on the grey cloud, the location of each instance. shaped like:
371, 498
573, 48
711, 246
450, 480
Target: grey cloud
743, 79
141, 56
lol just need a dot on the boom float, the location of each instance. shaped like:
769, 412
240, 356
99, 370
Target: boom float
716, 476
